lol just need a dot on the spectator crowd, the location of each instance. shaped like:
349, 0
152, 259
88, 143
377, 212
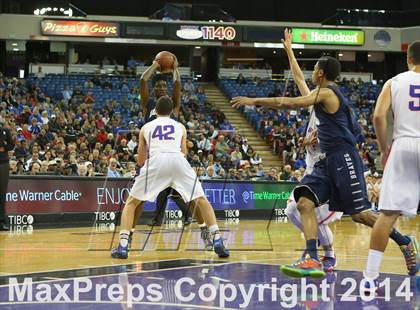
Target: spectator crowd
74, 132
70, 133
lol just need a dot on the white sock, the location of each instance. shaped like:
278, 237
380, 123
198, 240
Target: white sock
124, 235
329, 253
373, 264
325, 235
214, 229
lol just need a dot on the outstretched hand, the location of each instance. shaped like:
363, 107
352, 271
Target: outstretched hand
287, 41
240, 101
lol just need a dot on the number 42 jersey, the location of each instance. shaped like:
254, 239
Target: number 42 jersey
163, 135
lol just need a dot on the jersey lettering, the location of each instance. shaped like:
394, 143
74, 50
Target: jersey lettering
414, 93
164, 132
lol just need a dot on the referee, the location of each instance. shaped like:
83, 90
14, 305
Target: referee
6, 145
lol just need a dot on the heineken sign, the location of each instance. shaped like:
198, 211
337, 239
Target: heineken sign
328, 36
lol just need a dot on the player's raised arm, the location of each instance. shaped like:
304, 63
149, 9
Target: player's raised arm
142, 149
283, 103
144, 87
297, 73
184, 148
176, 94
379, 119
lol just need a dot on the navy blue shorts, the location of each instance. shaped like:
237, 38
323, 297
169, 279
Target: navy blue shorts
339, 180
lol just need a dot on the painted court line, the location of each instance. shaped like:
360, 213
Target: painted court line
130, 272
183, 306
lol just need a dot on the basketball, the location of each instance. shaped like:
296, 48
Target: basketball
166, 61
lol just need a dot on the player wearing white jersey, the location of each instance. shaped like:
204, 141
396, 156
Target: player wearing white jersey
161, 154
313, 155
400, 192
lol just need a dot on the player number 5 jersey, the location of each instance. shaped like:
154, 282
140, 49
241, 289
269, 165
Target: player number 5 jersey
163, 135
405, 92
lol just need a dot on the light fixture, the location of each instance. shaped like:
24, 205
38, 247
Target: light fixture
277, 45
68, 11
300, 53
340, 54
369, 55
198, 47
16, 49
274, 52
14, 44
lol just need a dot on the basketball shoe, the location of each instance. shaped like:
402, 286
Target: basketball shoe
308, 267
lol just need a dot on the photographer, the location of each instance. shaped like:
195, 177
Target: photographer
6, 145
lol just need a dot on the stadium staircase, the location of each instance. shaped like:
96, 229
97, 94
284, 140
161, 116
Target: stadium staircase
242, 126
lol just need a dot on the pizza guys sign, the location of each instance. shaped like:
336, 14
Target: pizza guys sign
79, 28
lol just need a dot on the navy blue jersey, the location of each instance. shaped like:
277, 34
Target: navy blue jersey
338, 128
151, 103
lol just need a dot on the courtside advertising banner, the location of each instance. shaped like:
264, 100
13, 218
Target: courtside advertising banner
66, 195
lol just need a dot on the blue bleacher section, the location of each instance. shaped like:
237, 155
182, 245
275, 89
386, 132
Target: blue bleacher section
53, 86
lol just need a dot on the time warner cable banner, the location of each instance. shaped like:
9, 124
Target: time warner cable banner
28, 195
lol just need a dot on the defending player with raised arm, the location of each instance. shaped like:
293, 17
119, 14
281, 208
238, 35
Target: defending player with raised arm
313, 155
162, 149
400, 191
337, 178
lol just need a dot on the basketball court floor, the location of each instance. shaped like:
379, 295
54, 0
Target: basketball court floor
163, 256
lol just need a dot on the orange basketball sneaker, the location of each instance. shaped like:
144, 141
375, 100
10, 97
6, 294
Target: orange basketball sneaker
308, 267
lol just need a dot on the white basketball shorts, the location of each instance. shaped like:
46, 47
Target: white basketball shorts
400, 189
166, 170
